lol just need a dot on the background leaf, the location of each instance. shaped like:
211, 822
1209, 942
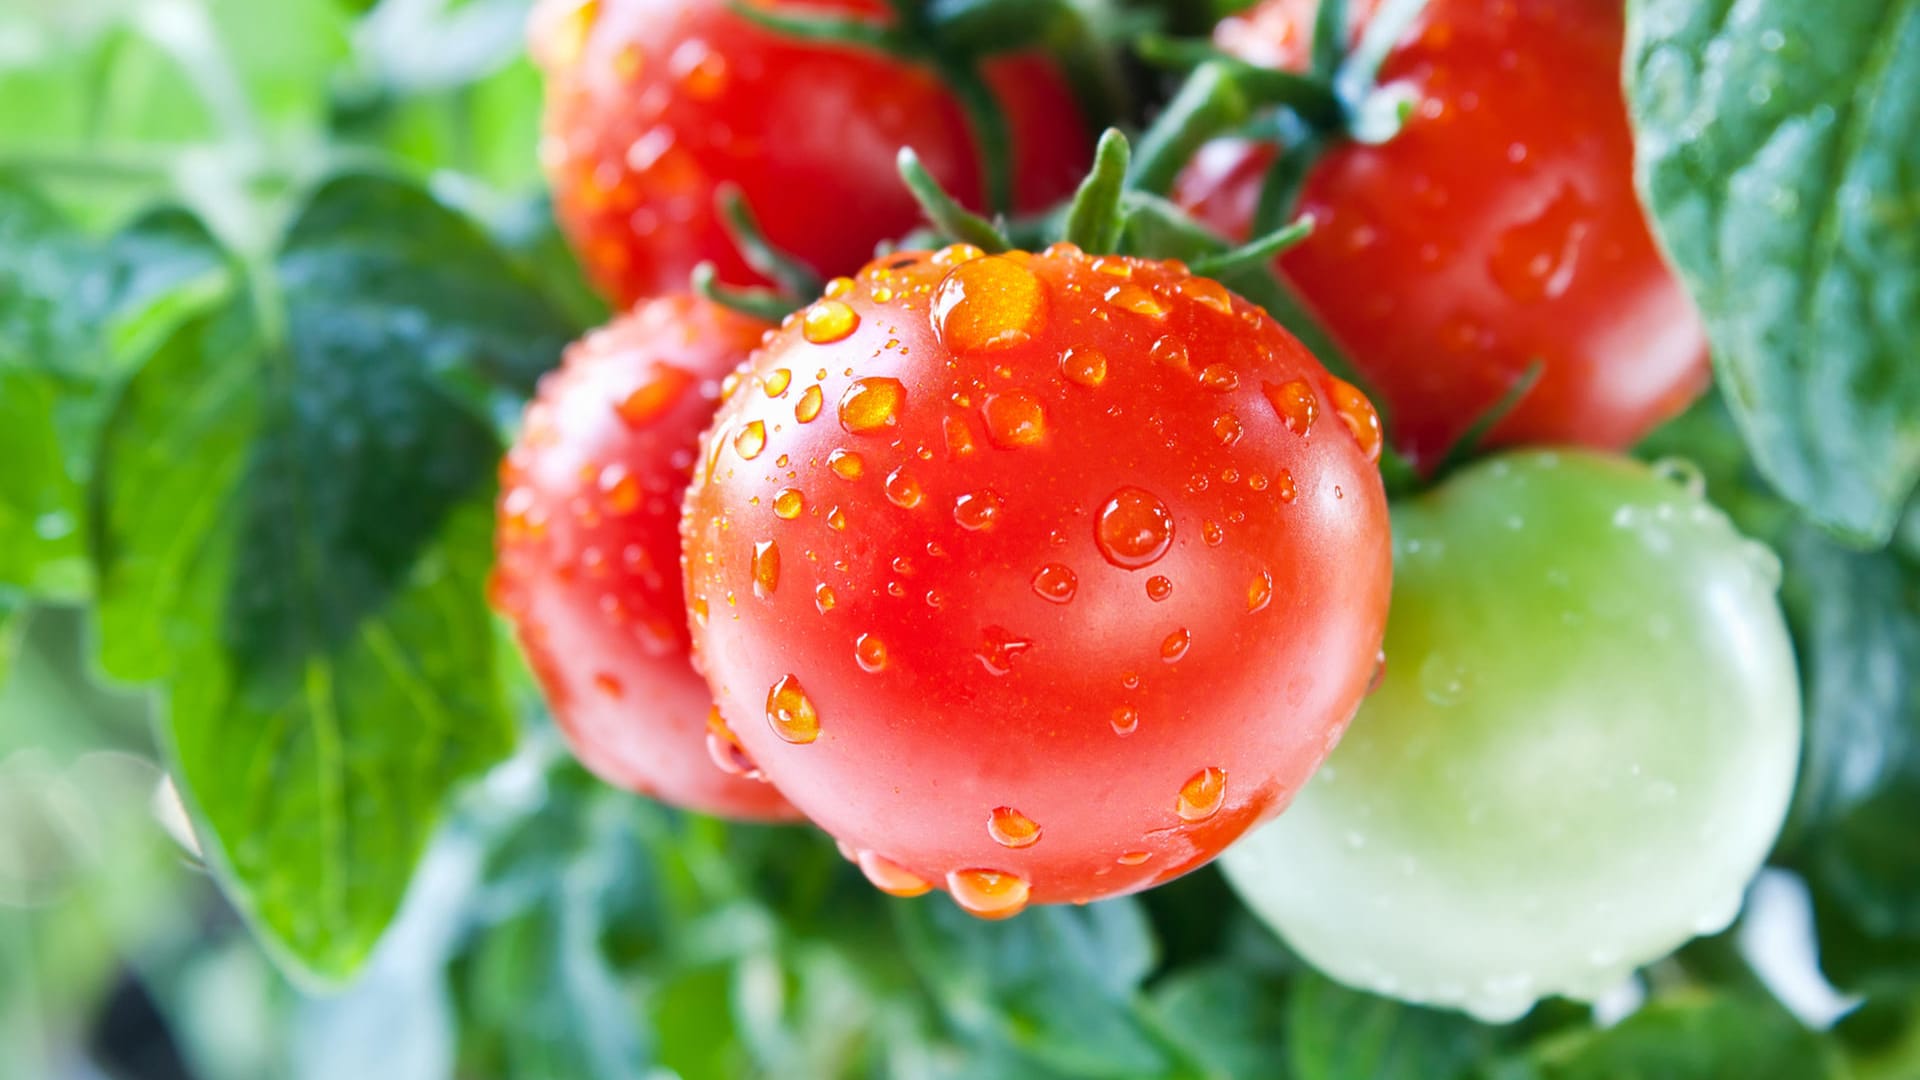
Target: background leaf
296, 521
1775, 150
1698, 1037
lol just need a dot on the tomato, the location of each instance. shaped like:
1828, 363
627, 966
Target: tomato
1038, 577
589, 552
651, 105
1497, 230
1581, 750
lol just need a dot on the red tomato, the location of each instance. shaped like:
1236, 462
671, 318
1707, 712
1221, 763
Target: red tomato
1037, 577
590, 550
1498, 228
652, 104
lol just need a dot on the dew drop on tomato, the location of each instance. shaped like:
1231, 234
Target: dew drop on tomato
1202, 795
1011, 828
790, 713
1134, 529
989, 894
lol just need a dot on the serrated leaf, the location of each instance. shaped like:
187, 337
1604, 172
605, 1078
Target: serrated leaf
1058, 984
295, 525
1774, 143
1336, 1033
1852, 831
1693, 1037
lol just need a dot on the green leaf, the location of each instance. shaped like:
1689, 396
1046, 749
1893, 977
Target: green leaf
1340, 1034
294, 529
1232, 1021
1687, 1037
1852, 831
1059, 984
1775, 149
41, 548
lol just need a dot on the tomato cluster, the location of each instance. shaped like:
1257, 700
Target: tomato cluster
1044, 576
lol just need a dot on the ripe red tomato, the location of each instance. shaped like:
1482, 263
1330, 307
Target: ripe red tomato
589, 552
650, 105
1497, 229
1037, 577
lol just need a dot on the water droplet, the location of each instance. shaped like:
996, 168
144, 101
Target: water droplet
1014, 420
725, 749
837, 519
989, 894
872, 404
1134, 529
1536, 259
1125, 718
1208, 293
1260, 592
1226, 428
1159, 588
788, 503
701, 71
1055, 582
1683, 474
976, 511
652, 398
1295, 403
1202, 795
766, 568
870, 653
1011, 828
998, 647
1357, 413
808, 406
1219, 378
1133, 298
988, 304
751, 440
777, 381
1442, 681
1283, 486
1175, 645
608, 685
903, 490
959, 436
889, 877
790, 713
619, 490
1133, 858
823, 598
828, 321
846, 464
1084, 366
1170, 352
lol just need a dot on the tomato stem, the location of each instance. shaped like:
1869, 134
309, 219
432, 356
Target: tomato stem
946, 215
1094, 221
1468, 445
1255, 253
793, 276
834, 29
764, 304
1330, 38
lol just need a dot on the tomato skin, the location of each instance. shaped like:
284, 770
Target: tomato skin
1580, 753
589, 549
992, 637
1499, 228
651, 105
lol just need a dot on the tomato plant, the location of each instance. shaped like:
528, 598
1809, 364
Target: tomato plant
650, 107
1497, 230
354, 551
589, 567
1040, 577
1582, 748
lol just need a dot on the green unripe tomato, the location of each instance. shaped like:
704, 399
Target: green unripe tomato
1580, 752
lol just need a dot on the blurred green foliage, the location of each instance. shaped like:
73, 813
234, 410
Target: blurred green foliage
328, 210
